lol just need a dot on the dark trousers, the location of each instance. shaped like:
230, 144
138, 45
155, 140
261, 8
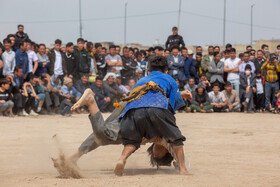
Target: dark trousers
51, 99
102, 104
222, 109
17, 99
250, 96
65, 107
28, 103
260, 101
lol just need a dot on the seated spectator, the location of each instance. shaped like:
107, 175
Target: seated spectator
247, 89
16, 97
273, 107
216, 70
232, 98
82, 84
71, 96
277, 107
40, 93
205, 82
260, 97
43, 60
6, 103
115, 93
191, 85
131, 84
8, 58
218, 99
102, 95
28, 99
121, 86
200, 100
52, 94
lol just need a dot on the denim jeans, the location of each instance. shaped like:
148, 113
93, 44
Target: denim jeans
270, 88
235, 84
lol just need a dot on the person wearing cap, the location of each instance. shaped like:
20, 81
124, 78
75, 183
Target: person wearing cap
174, 39
247, 89
232, 98
190, 53
70, 94
271, 68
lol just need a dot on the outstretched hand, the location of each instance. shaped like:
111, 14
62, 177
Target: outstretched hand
186, 94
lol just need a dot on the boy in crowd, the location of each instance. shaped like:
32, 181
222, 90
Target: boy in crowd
6, 103
200, 100
232, 98
260, 98
8, 58
218, 99
43, 61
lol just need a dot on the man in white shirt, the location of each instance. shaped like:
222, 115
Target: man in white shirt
218, 99
232, 67
8, 58
113, 61
32, 58
245, 62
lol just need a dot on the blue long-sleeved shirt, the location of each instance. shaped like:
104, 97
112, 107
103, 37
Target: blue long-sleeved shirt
22, 60
154, 98
72, 91
188, 64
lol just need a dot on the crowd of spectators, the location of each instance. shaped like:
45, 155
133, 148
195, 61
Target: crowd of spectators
36, 80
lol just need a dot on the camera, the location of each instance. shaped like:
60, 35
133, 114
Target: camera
272, 57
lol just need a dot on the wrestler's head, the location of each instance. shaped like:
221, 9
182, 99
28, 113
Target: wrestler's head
158, 63
159, 155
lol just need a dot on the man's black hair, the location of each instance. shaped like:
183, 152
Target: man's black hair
104, 48
7, 40
11, 35
112, 46
264, 46
175, 28
143, 52
167, 50
199, 54
164, 161
183, 48
227, 83
69, 44
248, 46
151, 49
42, 45
80, 40
248, 66
257, 71
17, 67
216, 84
97, 45
159, 48
158, 63
217, 47
99, 78
21, 43
89, 45
232, 50
277, 46
4, 81
58, 41
175, 47
33, 77
198, 47
248, 53
20, 25
28, 41
228, 45
216, 53
138, 54
211, 47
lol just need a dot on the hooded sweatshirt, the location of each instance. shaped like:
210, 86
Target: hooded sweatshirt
200, 99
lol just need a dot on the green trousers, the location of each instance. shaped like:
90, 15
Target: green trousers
198, 109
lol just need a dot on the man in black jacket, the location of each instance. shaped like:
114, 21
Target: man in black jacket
83, 57
71, 62
129, 66
174, 39
20, 36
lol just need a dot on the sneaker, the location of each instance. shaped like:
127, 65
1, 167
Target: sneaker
251, 112
32, 113
245, 104
226, 110
24, 113
194, 111
210, 111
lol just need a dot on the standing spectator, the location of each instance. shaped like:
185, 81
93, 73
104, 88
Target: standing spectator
13, 40
197, 64
93, 60
57, 66
260, 97
218, 99
104, 51
22, 58
216, 69
159, 51
176, 65
232, 98
141, 63
82, 84
101, 64
8, 58
245, 62
118, 50
174, 39
32, 59
20, 36
200, 100
247, 89
113, 61
129, 67
225, 56
43, 61
6, 103
71, 62
101, 95
167, 52
83, 58
271, 67
206, 59
199, 50
191, 85
265, 48
260, 60
188, 66
232, 68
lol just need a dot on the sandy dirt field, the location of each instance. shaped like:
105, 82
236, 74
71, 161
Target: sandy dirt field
223, 149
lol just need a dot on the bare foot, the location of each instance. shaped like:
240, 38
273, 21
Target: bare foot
203, 111
86, 99
119, 168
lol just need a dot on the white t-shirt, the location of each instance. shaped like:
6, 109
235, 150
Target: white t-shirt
58, 63
219, 98
259, 84
32, 57
232, 64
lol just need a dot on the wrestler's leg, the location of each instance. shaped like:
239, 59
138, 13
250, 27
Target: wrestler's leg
181, 159
127, 151
88, 100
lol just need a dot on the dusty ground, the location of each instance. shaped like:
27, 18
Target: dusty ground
224, 149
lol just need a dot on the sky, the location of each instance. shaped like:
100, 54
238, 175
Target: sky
201, 21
